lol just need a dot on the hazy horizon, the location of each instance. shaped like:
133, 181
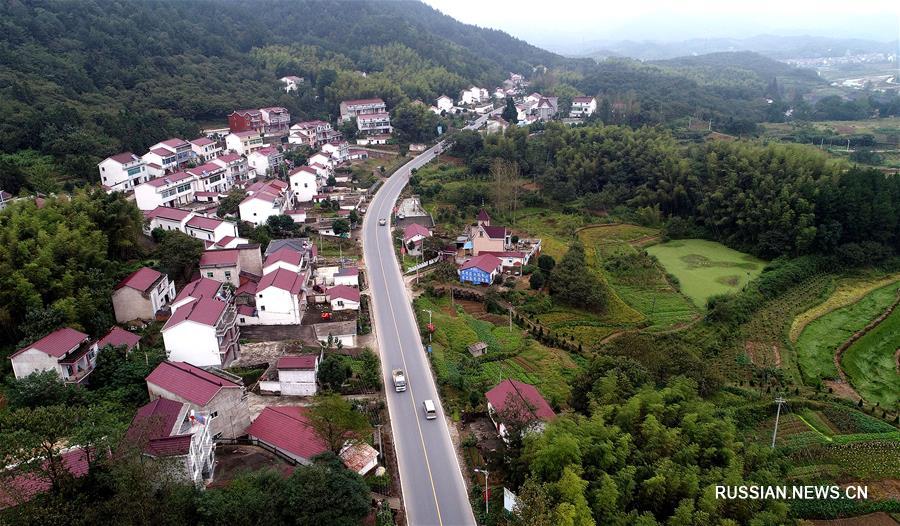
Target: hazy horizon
574, 26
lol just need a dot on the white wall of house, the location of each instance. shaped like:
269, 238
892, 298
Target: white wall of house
224, 229
257, 211
243, 145
276, 306
350, 281
228, 411
229, 274
304, 186
343, 304
131, 304
297, 383
32, 361
123, 177
193, 343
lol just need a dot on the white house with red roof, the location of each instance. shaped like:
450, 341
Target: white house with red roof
205, 149
342, 297
244, 142
321, 159
583, 107
236, 167
222, 265
66, 351
351, 109
167, 218
514, 400
210, 391
286, 258
174, 189
374, 123
414, 235
119, 337
312, 133
287, 429
168, 155
210, 229
265, 161
122, 172
297, 374
304, 183
171, 430
338, 150
210, 177
203, 327
281, 297
265, 199
141, 295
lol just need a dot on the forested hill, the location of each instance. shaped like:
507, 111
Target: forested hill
81, 79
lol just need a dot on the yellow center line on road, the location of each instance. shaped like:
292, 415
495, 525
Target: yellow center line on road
411, 396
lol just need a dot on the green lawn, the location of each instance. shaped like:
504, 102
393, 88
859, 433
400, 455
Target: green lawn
871, 365
706, 268
818, 341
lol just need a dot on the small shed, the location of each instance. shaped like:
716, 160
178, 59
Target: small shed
478, 349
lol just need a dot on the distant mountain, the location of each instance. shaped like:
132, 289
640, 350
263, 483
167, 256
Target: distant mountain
777, 47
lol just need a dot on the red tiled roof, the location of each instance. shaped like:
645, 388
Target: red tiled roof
415, 229
582, 99
303, 169
224, 241
204, 223
248, 133
483, 215
219, 258
310, 124
495, 232
282, 279
303, 362
267, 151
162, 152
199, 288
202, 141
516, 392
57, 343
363, 101
152, 428
228, 158
357, 456
174, 143
205, 311
246, 310
191, 383
168, 179
485, 262
22, 488
207, 167
124, 157
117, 337
507, 254
374, 116
344, 292
141, 279
285, 254
167, 212
248, 287
287, 428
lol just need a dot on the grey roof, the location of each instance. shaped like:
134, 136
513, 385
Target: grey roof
335, 328
300, 244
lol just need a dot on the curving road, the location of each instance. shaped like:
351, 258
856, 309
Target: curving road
433, 489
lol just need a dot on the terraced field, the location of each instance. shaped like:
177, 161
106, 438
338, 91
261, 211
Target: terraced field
871, 363
817, 342
706, 268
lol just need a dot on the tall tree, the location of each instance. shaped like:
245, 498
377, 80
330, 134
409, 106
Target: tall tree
337, 423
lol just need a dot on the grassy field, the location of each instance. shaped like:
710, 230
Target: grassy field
706, 268
871, 365
616, 252
816, 344
848, 292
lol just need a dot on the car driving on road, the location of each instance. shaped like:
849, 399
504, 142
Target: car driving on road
430, 411
382, 221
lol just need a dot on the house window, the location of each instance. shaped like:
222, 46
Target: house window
213, 415
209, 274
227, 274
262, 307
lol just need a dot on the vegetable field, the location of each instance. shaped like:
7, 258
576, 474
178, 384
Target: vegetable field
871, 363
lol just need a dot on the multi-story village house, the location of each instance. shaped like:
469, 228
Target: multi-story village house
352, 109
205, 149
141, 295
211, 391
374, 123
66, 351
244, 142
122, 172
202, 329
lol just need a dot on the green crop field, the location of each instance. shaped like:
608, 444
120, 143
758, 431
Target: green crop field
816, 344
871, 364
706, 268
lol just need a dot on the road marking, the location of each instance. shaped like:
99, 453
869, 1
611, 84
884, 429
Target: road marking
411, 396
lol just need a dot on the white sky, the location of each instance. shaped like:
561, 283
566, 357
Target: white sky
569, 23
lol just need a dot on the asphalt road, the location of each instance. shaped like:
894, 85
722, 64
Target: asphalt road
433, 489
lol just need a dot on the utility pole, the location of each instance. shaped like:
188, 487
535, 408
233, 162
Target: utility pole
510, 318
486, 499
778, 401
429, 325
